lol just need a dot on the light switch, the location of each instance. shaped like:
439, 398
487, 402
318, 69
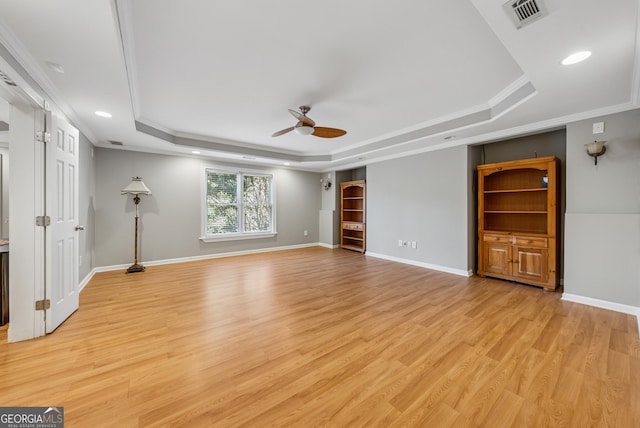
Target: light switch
598, 127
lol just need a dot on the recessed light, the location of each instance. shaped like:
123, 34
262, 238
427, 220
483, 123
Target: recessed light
55, 67
287, 163
103, 114
575, 58
195, 152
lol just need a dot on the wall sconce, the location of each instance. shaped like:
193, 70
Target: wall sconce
325, 184
596, 149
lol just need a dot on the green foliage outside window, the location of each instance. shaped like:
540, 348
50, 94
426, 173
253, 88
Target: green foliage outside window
228, 203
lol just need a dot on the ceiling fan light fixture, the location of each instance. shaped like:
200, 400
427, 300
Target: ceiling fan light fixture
304, 130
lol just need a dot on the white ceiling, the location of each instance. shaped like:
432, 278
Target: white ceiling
399, 76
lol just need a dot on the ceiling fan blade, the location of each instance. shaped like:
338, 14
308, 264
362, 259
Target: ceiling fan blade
302, 118
320, 131
284, 131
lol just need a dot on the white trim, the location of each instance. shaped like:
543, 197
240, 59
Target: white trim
508, 91
635, 75
124, 19
520, 130
208, 256
236, 236
240, 173
87, 279
31, 66
604, 304
445, 269
329, 246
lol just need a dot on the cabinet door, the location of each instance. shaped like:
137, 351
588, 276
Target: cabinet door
497, 258
530, 263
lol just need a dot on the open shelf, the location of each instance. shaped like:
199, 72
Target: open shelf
515, 179
539, 189
517, 210
352, 216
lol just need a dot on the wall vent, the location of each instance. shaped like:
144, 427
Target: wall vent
524, 12
116, 143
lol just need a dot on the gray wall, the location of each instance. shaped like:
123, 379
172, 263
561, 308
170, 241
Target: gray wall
170, 219
602, 239
473, 160
86, 200
328, 211
422, 198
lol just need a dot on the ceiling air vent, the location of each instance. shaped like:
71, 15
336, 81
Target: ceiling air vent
116, 143
523, 12
6, 79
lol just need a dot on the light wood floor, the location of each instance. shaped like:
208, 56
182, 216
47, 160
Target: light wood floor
316, 337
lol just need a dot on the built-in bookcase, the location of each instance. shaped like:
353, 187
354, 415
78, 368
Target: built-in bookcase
517, 213
353, 215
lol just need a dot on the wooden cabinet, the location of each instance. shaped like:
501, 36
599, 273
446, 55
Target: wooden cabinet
517, 221
353, 227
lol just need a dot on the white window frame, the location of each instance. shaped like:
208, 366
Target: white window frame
236, 236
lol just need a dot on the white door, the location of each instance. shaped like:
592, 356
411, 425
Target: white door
62, 249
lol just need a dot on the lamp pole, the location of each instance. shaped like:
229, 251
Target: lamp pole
135, 267
136, 188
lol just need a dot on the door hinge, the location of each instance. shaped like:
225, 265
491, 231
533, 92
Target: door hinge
43, 220
43, 137
43, 305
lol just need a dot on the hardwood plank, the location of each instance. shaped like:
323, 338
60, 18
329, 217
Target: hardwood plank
316, 337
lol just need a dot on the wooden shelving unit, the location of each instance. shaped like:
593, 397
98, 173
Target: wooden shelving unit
353, 216
517, 221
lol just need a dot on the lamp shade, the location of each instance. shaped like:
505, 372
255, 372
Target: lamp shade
595, 147
136, 187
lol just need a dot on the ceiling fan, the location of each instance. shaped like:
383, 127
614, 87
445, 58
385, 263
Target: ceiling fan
306, 126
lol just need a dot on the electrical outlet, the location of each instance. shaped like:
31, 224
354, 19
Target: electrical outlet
306, 233
413, 244
399, 242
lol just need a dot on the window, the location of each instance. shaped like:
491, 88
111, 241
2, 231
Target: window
238, 205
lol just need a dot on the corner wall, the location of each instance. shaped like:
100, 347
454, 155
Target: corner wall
86, 200
422, 198
602, 223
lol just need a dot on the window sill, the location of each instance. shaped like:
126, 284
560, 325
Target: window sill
236, 236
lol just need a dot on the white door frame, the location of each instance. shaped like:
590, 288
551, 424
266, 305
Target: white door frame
26, 201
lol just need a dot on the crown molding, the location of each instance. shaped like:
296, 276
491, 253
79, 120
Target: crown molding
38, 81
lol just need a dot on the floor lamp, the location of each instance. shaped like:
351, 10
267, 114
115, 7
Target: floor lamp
136, 188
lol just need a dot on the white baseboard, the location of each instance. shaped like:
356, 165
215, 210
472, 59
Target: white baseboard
329, 246
604, 304
86, 279
446, 269
203, 257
